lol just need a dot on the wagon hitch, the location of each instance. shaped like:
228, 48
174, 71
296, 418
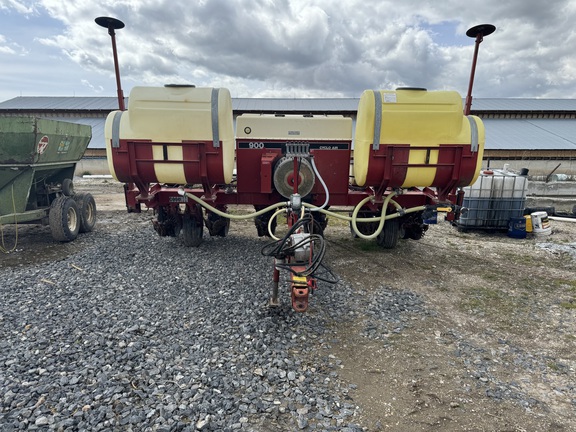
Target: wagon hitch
301, 254
299, 290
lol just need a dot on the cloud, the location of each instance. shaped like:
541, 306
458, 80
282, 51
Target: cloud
4, 47
21, 7
94, 88
321, 47
11, 48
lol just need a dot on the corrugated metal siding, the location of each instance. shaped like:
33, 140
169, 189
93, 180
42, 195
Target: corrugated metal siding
97, 124
503, 134
522, 105
539, 134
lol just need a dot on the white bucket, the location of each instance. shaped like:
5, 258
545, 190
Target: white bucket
541, 224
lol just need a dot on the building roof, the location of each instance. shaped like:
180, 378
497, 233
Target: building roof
49, 103
253, 105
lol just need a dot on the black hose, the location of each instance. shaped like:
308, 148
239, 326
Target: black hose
333, 279
281, 249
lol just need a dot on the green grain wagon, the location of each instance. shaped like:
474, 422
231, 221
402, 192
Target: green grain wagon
37, 162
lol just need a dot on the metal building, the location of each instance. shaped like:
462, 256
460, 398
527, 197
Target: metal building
538, 134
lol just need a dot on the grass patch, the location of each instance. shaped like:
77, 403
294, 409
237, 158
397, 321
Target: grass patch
485, 300
568, 305
556, 285
504, 310
492, 277
337, 222
367, 245
529, 284
571, 284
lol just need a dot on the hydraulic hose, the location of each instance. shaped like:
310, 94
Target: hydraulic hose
282, 248
323, 185
274, 216
354, 219
228, 215
382, 217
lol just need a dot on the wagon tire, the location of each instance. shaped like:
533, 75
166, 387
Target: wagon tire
87, 210
64, 219
192, 231
217, 225
67, 187
261, 223
388, 238
366, 228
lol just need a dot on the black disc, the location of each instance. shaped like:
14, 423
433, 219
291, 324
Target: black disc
108, 22
482, 29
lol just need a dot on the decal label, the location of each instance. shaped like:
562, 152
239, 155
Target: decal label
42, 145
64, 146
259, 145
389, 97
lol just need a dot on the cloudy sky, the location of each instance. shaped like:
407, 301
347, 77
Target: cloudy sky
288, 48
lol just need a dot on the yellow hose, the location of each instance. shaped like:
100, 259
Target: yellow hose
231, 216
354, 219
274, 216
382, 217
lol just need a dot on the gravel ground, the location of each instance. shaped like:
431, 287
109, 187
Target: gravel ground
122, 330
130, 331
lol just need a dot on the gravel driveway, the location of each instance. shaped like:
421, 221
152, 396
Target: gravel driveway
123, 330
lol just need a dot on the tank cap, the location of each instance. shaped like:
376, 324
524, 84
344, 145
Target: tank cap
411, 88
179, 85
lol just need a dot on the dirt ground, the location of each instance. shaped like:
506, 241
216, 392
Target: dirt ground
495, 350
491, 348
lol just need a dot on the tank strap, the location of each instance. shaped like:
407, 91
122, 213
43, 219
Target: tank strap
215, 133
116, 129
377, 119
474, 134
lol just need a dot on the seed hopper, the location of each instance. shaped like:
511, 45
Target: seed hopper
37, 162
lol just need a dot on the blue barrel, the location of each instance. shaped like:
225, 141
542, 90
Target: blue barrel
517, 227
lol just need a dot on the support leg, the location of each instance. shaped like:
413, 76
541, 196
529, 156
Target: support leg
274, 301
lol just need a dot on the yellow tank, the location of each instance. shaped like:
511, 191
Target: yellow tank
416, 138
162, 134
